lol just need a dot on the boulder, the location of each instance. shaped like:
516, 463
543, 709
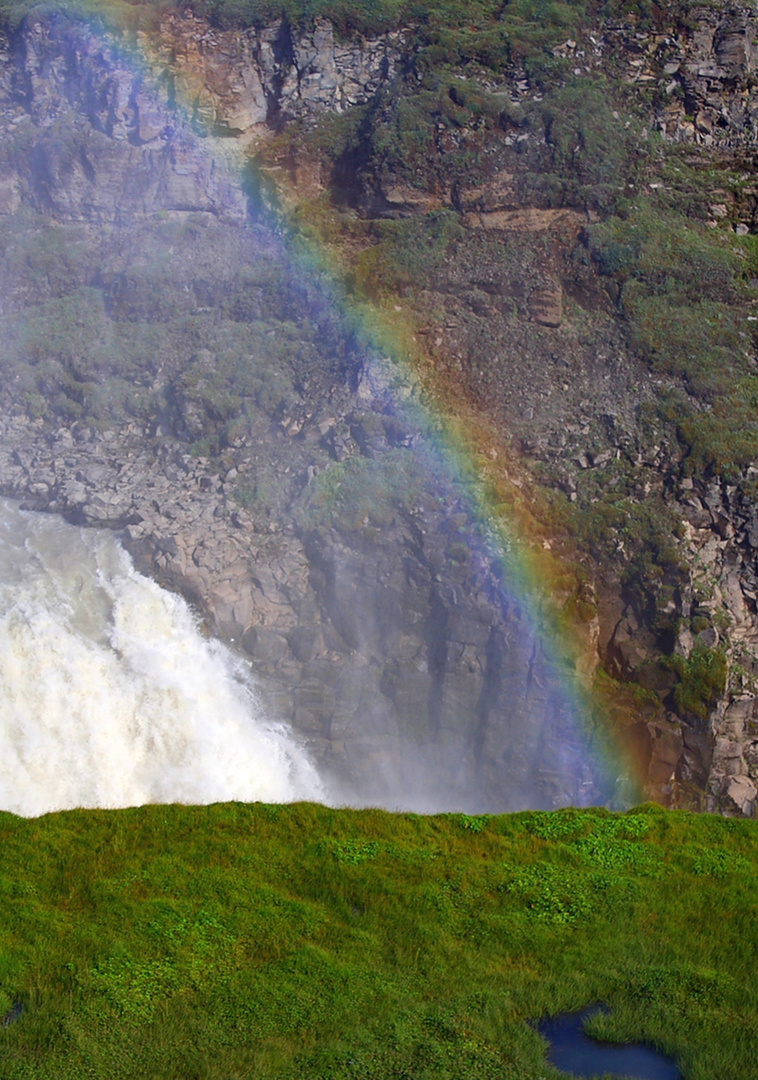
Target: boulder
741, 794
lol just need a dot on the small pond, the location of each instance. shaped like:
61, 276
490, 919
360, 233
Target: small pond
12, 1015
577, 1054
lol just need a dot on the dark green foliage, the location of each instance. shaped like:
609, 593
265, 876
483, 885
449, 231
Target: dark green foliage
302, 942
703, 680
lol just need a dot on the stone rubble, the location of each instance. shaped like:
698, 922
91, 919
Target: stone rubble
356, 635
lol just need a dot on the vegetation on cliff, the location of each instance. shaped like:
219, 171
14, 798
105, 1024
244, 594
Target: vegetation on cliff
664, 252
304, 942
376, 16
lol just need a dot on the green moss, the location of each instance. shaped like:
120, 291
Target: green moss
591, 149
405, 252
683, 295
703, 680
362, 491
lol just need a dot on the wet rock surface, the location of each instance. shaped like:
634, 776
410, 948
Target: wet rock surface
393, 661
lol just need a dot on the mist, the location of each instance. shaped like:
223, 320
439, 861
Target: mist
180, 371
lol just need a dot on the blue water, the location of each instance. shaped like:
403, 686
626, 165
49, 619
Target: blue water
10, 1017
577, 1054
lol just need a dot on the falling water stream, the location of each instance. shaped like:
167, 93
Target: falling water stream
109, 693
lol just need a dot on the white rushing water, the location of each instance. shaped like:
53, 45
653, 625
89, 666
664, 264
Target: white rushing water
110, 695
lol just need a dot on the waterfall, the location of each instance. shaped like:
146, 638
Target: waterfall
111, 695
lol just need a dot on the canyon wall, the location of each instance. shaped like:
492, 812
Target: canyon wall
390, 641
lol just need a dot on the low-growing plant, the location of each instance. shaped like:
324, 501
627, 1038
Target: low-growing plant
703, 680
683, 292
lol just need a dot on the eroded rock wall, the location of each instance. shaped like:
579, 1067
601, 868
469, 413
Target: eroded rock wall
237, 82
392, 649
393, 644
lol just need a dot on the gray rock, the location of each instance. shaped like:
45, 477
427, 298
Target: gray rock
741, 793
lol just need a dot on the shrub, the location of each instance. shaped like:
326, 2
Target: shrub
703, 680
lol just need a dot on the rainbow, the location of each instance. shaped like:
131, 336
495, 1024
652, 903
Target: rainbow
457, 445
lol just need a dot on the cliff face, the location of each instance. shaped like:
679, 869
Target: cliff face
387, 638
238, 82
205, 396
128, 100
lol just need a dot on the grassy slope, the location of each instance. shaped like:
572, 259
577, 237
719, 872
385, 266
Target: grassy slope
299, 941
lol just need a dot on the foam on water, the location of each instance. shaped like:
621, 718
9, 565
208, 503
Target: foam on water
109, 693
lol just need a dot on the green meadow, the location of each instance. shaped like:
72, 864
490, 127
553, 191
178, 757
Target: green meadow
298, 941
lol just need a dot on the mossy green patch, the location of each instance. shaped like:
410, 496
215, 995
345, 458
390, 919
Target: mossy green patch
703, 677
685, 293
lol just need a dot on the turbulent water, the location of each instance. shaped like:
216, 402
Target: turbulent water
111, 696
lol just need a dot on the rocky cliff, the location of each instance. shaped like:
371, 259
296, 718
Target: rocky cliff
196, 390
184, 408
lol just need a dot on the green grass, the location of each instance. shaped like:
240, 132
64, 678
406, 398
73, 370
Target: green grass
703, 677
367, 16
460, 29
298, 941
